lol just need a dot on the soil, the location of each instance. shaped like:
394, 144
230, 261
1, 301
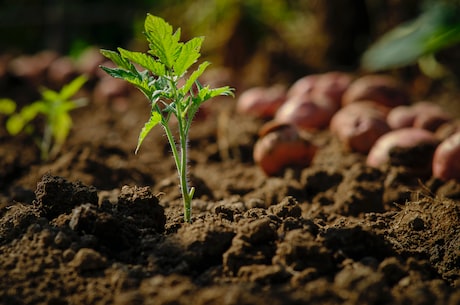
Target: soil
98, 224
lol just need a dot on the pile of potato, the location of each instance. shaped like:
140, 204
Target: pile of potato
371, 115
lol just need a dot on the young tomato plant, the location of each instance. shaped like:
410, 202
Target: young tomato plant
169, 88
55, 106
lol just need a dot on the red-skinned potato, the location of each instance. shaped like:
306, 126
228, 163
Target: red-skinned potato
447, 129
281, 146
430, 116
401, 117
404, 138
359, 125
306, 112
332, 85
261, 102
424, 114
303, 86
381, 89
446, 158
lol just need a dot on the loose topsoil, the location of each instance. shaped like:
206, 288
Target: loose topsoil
101, 225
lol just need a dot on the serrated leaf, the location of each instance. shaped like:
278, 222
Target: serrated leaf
145, 61
155, 118
7, 106
72, 88
163, 43
188, 55
195, 75
116, 58
207, 93
135, 79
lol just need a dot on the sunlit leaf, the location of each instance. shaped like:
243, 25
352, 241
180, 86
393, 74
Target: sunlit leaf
189, 53
61, 127
163, 43
155, 118
145, 61
195, 75
73, 87
15, 124
7, 106
117, 59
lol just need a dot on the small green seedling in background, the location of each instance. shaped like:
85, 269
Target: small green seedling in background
55, 107
170, 90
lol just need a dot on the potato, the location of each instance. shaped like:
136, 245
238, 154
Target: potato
403, 139
401, 117
446, 159
430, 116
261, 102
306, 112
332, 85
447, 129
424, 114
303, 86
280, 146
359, 125
381, 89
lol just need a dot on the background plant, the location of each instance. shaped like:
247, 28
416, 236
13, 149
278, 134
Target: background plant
55, 107
166, 65
417, 41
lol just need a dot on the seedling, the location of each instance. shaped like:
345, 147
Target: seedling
170, 90
55, 106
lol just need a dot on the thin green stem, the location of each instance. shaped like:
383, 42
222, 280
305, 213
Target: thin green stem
183, 174
46, 142
180, 157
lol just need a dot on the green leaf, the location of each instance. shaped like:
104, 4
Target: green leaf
15, 124
71, 105
7, 106
163, 43
145, 61
155, 118
189, 53
117, 59
61, 127
435, 29
28, 113
133, 78
207, 93
195, 75
72, 88
50, 95
18, 121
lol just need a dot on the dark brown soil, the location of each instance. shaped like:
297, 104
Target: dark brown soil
101, 225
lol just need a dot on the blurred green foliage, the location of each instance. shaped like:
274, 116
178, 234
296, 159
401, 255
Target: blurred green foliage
435, 29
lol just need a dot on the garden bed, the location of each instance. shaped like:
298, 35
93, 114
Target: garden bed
101, 225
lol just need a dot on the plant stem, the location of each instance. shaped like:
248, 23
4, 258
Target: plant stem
180, 157
46, 142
